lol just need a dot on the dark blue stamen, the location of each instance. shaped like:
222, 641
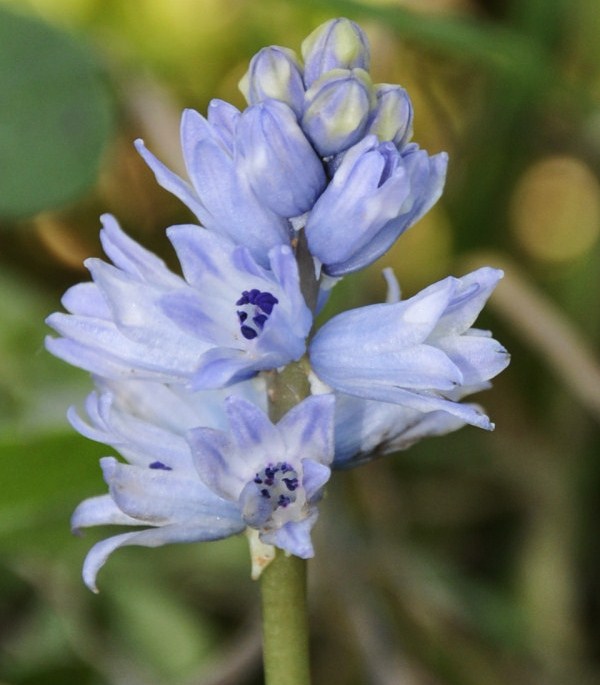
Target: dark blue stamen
160, 465
277, 486
257, 307
291, 483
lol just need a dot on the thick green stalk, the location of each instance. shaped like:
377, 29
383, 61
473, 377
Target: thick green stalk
285, 621
283, 582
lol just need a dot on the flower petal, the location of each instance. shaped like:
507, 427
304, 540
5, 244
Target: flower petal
214, 529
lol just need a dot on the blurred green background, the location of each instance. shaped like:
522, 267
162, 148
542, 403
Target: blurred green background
466, 560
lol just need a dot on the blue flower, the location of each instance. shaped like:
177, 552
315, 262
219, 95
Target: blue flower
376, 194
159, 488
274, 474
186, 480
224, 321
421, 353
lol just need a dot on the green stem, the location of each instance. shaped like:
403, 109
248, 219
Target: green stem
285, 621
283, 582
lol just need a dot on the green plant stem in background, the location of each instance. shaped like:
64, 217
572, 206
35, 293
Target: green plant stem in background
285, 621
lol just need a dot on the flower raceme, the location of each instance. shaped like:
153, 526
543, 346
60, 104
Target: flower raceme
315, 179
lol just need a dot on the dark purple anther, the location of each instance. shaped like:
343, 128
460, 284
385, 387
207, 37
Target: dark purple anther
256, 309
160, 465
281, 481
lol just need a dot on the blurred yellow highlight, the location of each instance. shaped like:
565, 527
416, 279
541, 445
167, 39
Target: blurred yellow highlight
555, 211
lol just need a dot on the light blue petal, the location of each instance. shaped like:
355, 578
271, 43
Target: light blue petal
365, 429
98, 346
200, 253
231, 207
131, 257
359, 334
220, 466
221, 367
337, 109
478, 358
426, 402
252, 431
369, 189
99, 362
471, 294
161, 497
171, 181
394, 115
86, 299
315, 476
308, 428
101, 511
213, 529
420, 368
293, 537
224, 119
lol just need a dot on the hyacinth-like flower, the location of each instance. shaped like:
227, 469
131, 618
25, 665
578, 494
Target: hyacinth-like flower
225, 320
317, 137
315, 179
421, 353
189, 484
274, 473
381, 191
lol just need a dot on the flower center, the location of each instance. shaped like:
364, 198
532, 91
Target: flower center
255, 307
278, 483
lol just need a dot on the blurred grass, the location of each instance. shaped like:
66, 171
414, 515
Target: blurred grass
467, 560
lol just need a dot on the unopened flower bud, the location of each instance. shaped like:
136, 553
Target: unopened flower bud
338, 44
337, 110
280, 164
393, 116
276, 73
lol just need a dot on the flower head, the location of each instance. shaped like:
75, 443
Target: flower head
224, 321
375, 194
274, 474
159, 488
419, 353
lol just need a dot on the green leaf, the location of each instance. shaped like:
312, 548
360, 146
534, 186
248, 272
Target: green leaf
56, 116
